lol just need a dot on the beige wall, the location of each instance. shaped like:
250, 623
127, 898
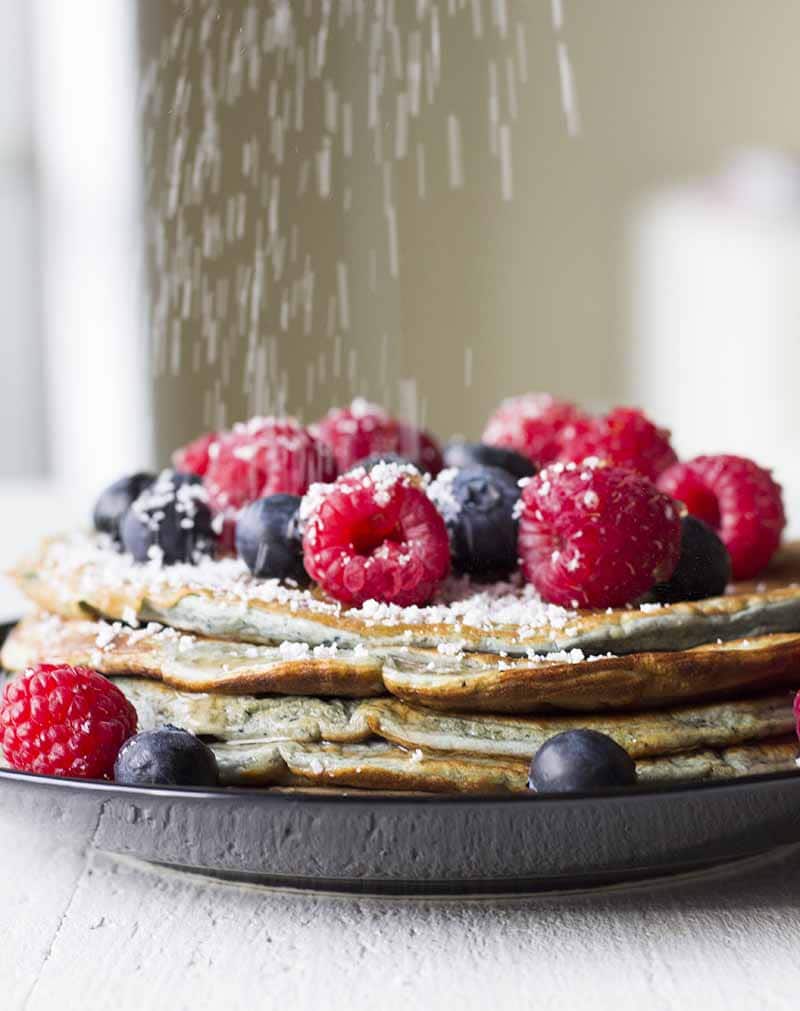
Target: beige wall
536, 287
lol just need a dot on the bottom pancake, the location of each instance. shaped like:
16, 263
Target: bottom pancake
382, 766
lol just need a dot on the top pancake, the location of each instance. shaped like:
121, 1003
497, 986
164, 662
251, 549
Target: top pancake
81, 575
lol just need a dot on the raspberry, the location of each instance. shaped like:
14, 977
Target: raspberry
194, 458
264, 456
596, 536
535, 425
739, 499
625, 437
421, 447
65, 721
356, 432
375, 536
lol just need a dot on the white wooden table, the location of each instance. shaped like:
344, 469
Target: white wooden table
79, 930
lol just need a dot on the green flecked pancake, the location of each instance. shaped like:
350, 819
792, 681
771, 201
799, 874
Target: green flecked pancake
80, 575
382, 766
348, 721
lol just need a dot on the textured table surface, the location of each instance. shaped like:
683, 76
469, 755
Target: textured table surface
81, 929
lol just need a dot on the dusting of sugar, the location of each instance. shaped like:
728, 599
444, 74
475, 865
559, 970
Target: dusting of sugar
294, 650
441, 494
95, 567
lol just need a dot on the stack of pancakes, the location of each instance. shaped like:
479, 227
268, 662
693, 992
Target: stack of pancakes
292, 688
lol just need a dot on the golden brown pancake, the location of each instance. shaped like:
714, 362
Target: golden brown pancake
475, 682
466, 682
190, 663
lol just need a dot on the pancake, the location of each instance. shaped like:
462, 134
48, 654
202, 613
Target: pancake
307, 720
78, 575
192, 664
468, 682
246, 717
641, 734
476, 682
382, 766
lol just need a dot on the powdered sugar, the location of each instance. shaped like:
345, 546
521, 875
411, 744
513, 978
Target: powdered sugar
441, 494
91, 566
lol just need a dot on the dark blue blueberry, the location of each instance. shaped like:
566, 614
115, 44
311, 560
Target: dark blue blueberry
268, 538
171, 520
704, 566
115, 501
371, 461
481, 523
166, 757
465, 454
580, 760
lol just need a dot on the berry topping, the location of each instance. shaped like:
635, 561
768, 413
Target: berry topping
115, 501
358, 431
169, 522
268, 538
166, 757
737, 497
194, 458
580, 760
465, 454
535, 424
421, 448
596, 536
375, 536
64, 721
704, 566
265, 456
478, 507
624, 437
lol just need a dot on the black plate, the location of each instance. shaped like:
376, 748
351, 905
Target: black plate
377, 843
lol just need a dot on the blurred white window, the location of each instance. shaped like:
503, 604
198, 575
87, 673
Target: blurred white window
23, 407
74, 405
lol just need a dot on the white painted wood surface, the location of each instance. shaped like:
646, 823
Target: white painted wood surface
80, 930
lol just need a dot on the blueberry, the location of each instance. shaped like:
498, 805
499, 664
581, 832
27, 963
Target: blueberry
166, 757
170, 517
580, 760
268, 538
478, 507
115, 501
465, 454
371, 461
704, 566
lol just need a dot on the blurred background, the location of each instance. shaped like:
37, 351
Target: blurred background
212, 209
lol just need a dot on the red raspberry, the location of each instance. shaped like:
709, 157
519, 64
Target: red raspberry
535, 425
263, 457
592, 535
421, 447
739, 499
193, 458
376, 536
358, 431
625, 437
65, 721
